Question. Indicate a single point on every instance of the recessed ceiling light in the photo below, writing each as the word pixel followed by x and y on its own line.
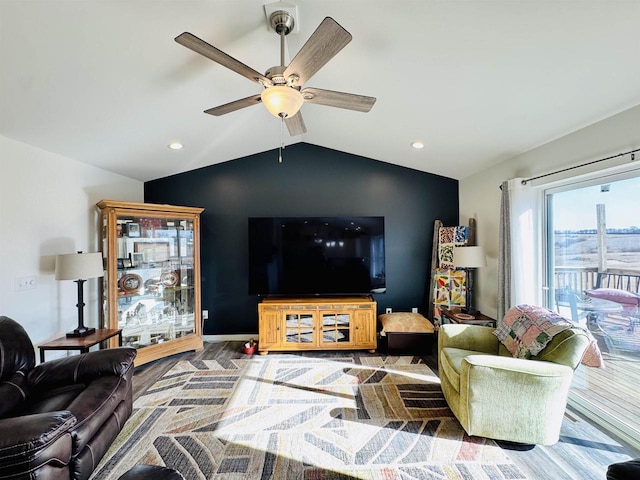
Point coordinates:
pixel 175 146
pixel 417 144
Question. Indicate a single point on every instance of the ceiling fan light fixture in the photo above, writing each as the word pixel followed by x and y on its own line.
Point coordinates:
pixel 282 101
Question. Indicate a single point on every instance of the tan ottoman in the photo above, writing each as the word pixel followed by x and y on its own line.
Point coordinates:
pixel 407 332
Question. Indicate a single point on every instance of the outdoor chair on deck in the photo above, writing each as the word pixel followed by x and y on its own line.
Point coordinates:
pixel 569 298
pixel 622 288
pixel 621 330
pixel 627 282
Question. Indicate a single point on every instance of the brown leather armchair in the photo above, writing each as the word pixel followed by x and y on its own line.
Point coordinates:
pixel 58 419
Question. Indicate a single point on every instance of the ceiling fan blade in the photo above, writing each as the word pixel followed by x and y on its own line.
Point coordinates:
pixel 328 39
pixel 295 124
pixel 203 48
pixel 331 98
pixel 233 106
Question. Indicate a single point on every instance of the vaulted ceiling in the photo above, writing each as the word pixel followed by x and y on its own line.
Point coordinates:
pixel 103 81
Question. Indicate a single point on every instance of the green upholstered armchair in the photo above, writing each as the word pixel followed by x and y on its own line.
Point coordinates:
pixel 497 396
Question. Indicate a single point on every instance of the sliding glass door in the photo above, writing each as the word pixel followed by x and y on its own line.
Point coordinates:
pixel 592 278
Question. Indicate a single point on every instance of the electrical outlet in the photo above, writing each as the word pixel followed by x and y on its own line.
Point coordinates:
pixel 205 314
pixel 388 310
pixel 25 283
pixel 414 310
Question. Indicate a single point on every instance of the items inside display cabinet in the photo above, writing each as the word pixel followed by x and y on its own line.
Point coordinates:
pixel 155 280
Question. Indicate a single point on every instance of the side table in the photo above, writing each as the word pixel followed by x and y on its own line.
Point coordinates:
pixel 83 344
pixel 454 315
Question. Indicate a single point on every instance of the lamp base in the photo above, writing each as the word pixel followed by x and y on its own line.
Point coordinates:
pixel 81 332
pixel 470 311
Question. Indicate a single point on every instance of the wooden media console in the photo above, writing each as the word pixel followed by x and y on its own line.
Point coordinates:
pixel 324 323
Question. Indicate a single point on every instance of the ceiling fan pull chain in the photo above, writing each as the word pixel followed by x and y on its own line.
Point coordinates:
pixel 281 139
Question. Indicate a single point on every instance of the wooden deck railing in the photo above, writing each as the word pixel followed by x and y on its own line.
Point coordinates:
pixel 575 279
pixel 580 279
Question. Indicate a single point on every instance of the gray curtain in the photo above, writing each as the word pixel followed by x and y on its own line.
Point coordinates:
pixel 504 254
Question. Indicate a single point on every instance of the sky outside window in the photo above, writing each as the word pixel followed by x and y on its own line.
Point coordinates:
pixel 576 209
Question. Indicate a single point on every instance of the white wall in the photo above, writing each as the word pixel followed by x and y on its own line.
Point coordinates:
pixel 480 193
pixel 47 207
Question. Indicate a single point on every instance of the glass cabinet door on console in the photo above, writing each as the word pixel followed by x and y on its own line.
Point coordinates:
pixel 151 289
pixel 336 328
pixel 298 327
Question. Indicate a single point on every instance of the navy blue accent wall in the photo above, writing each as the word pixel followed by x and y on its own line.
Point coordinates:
pixel 312 181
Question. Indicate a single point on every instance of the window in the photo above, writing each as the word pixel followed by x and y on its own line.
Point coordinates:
pixel 592 274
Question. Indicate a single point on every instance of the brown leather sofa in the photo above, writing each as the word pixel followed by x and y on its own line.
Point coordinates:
pixel 629 470
pixel 58 419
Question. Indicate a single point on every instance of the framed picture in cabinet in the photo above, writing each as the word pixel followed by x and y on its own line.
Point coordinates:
pixel 133 229
pixel 152 252
pixel 137 259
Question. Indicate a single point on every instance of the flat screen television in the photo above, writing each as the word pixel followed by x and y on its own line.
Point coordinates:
pixel 310 256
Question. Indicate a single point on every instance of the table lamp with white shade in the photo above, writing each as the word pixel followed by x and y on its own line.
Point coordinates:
pixel 469 258
pixel 79 267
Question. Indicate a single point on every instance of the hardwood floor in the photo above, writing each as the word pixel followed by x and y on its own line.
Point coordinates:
pixel 583 452
pixel 611 389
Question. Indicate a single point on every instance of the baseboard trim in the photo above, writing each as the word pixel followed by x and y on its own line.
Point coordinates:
pixel 239 337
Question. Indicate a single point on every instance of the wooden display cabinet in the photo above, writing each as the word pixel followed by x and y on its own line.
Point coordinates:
pixel 151 289
pixel 337 323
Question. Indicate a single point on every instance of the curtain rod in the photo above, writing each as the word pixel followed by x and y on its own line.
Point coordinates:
pixel 633 157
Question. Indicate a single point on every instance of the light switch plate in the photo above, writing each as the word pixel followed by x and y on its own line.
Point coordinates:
pixel 25 283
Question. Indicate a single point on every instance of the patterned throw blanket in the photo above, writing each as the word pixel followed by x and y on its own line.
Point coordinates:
pixel 526 330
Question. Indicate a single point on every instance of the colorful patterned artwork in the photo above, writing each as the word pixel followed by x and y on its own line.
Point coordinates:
pixel 450 284
pixel 450 290
pixel 449 237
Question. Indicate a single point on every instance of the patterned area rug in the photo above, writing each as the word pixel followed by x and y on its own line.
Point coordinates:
pixel 300 418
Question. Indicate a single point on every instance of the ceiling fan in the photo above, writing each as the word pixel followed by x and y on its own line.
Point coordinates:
pixel 283 94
